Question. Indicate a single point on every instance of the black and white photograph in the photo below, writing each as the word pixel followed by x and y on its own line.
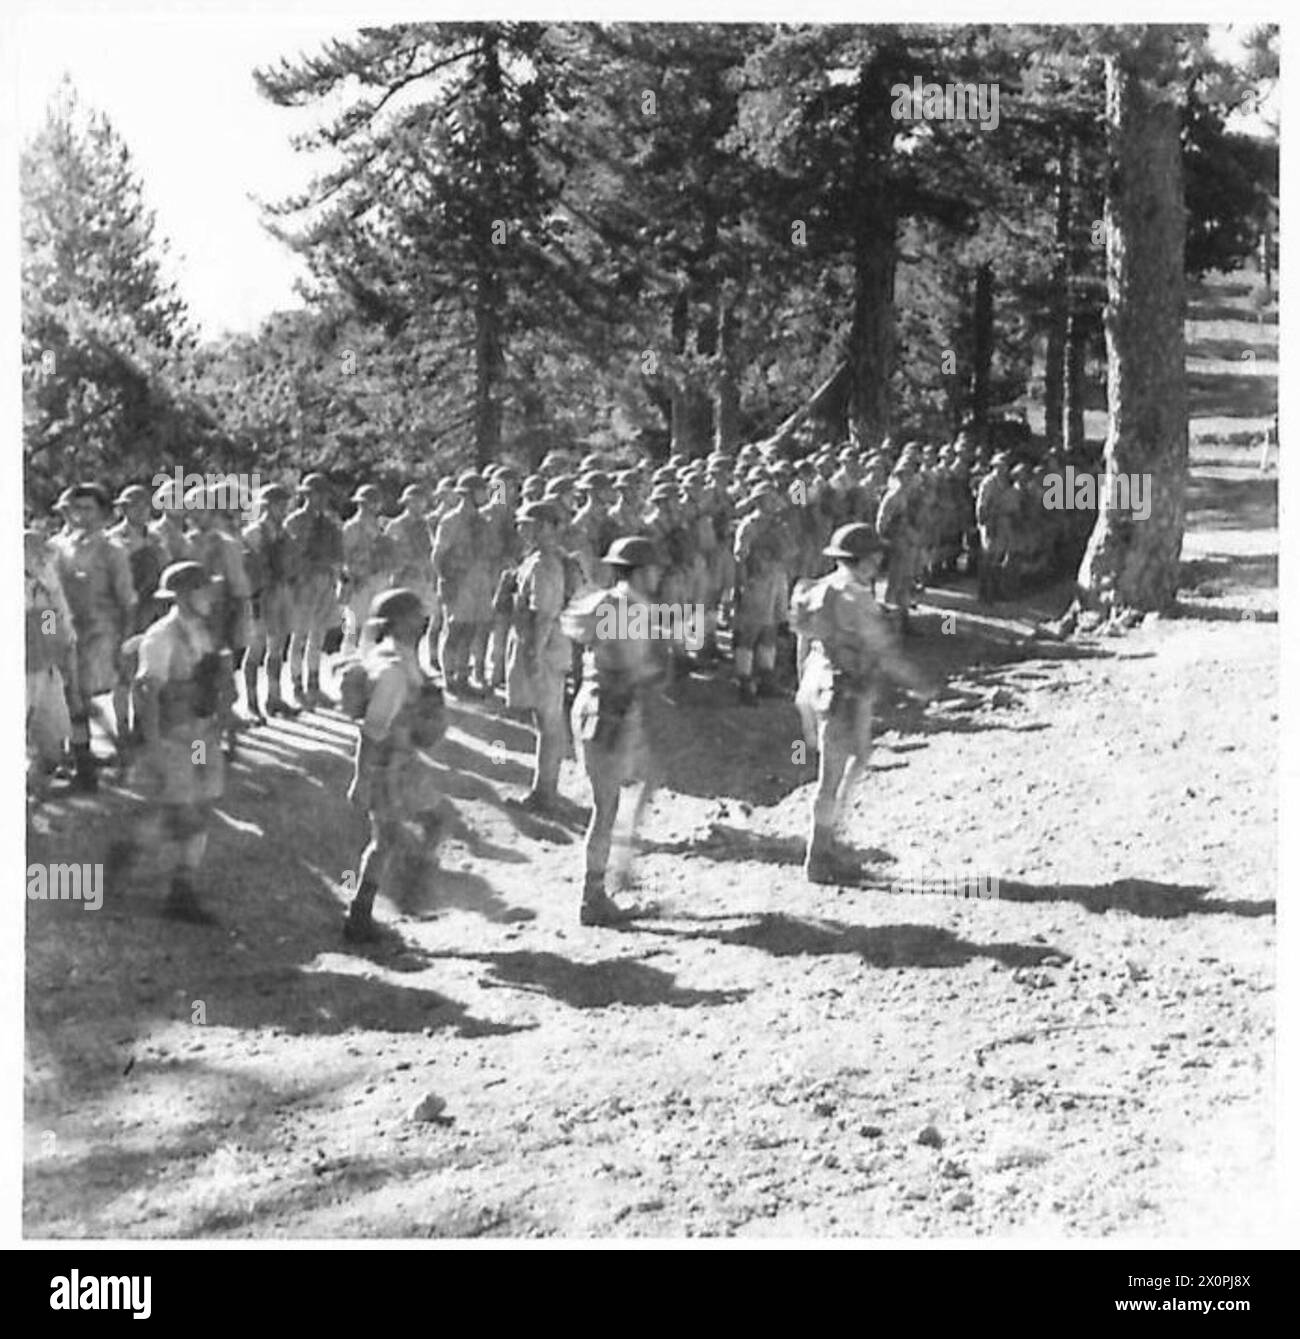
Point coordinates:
pixel 652 630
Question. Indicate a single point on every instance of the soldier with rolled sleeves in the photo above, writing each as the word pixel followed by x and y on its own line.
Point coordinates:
pixel 995 506
pixel 367 562
pixel 850 653
pixel 897 525
pixel 410 538
pixel 178 695
pixel 147 558
pixel 222 555
pixel 51 660
pixel 620 671
pixel 538 654
pixel 502 505
pixel 762 591
pixel 593 527
pixel 465 587
pixel 96 578
pixel 393 781
pixel 268 564
pixel 317 540
pixel 168 530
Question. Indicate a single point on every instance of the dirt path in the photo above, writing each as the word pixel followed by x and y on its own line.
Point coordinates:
pixel 1088 1053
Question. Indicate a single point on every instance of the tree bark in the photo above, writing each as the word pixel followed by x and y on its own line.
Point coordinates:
pixel 726 390
pixel 1058 305
pixel 489 359
pixel 875 257
pixel 1079 327
pixel 982 349
pixel 1076 380
pixel 1132 563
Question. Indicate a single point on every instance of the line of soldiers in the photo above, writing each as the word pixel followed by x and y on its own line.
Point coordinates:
pixel 498 563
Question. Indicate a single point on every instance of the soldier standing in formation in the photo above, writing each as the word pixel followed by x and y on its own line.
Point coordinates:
pixel 95 575
pixel 366 563
pixel 462 562
pixel 538 654
pixel 268 565
pixel 316 554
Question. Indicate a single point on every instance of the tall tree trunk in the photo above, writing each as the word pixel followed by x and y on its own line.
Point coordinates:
pixel 870 351
pixel 1058 304
pixel 982 349
pixel 691 416
pixel 1076 379
pixel 489 360
pixel 1079 326
pixel 1132 563
pixel 726 390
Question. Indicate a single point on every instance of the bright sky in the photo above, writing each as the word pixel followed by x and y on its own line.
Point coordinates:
pixel 180 92
pixel 178 87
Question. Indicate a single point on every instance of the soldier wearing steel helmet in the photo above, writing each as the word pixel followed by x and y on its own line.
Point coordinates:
pixel 850 651
pixel 898 523
pixel 500 512
pixel 410 537
pixel 620 671
pixel 393 781
pixel 268 563
pixel 462 565
pixel 147 558
pixel 168 530
pixel 318 559
pixel 222 556
pixel 538 654
pixel 762 590
pixel 178 694
pixel 996 505
pixel 95 575
pixel 367 562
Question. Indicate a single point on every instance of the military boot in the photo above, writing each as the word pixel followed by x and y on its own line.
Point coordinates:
pixel 183 905
pixel 598 908
pixel 85 773
pixel 360 927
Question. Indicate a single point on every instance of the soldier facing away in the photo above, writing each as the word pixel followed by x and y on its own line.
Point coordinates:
pixel 609 712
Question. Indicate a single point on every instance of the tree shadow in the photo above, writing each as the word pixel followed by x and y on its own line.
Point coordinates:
pixel 1219 503
pixel 596 985
pixel 1139 897
pixel 725 843
pixel 884 946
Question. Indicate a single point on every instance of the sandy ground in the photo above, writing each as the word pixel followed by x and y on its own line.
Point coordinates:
pixel 1089 1053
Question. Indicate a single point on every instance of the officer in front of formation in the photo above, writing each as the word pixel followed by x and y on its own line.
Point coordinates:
pixel 620 672
pixel 850 653
pixel 179 684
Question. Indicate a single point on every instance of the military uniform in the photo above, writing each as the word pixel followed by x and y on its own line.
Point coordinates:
pixel 538 655
pixel 410 539
pixel 95 576
pixel 50 659
pixel 317 559
pixel 462 564
pixel 182 769
pixel 850 650
pixel 897 524
pixel 367 562
pixel 268 564
pixel 762 593
pixel 996 505
pixel 393 780
pixel 610 715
